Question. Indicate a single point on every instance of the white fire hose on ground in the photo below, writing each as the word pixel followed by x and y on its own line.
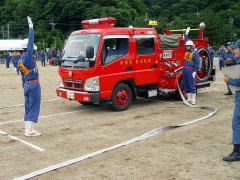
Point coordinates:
pixel 143 136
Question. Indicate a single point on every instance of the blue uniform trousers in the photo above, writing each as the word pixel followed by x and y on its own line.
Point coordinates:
pixel 189 81
pixel 7 62
pixel 236 120
pixel 221 64
pixel 43 62
pixel 32 94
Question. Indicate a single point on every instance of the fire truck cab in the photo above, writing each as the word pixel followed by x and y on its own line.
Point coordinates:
pixel 104 63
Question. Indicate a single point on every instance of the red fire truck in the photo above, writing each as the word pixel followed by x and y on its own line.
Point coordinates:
pixel 104 63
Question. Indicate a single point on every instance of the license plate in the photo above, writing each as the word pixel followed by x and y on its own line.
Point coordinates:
pixel 70 95
pixel 152 93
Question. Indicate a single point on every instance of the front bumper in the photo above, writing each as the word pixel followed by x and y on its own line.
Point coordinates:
pixel 78 95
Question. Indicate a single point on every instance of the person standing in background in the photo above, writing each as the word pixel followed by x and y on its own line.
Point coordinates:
pixel 7 57
pixel 221 51
pixel 43 61
pixel 229 60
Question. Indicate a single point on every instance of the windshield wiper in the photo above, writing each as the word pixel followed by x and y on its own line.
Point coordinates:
pixel 79 59
pixel 68 58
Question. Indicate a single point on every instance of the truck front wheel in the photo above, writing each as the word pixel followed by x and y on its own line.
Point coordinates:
pixel 122 97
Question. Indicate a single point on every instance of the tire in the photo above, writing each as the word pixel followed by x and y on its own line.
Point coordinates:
pixel 122 97
pixel 86 103
pixel 202 51
pixel 176 95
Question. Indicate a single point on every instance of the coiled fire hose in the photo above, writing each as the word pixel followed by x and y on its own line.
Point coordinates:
pixel 143 136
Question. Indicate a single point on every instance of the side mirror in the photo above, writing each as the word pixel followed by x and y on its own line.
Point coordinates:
pixel 90 52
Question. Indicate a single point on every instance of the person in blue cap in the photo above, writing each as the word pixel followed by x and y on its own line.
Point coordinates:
pixel 229 60
pixel 31 85
pixel 235 155
pixel 190 68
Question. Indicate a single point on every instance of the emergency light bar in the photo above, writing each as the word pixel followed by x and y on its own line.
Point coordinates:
pixel 101 21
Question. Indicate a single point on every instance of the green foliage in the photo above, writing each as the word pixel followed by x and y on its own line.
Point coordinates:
pixel 222 18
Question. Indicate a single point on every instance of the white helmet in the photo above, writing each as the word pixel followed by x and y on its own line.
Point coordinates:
pixel 189 43
pixel 202 25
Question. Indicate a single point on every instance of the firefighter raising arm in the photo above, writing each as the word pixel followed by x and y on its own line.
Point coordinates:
pixel 31 85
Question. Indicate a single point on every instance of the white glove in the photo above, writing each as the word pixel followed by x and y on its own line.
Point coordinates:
pixel 187 30
pixel 194 74
pixel 30 24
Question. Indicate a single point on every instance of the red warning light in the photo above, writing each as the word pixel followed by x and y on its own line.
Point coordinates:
pixel 99 22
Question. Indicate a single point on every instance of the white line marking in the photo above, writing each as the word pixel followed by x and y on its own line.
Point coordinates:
pixel 70 112
pixel 22 141
pixel 3 107
pixel 50 115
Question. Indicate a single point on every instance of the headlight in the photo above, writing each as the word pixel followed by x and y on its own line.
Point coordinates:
pixel 92 84
pixel 60 82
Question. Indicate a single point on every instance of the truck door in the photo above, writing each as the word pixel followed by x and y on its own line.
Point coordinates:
pixel 146 66
pixel 116 62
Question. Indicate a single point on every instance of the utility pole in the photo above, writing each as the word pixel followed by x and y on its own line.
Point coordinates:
pixel 8 31
pixel 198 13
pixel 231 27
pixel 146 17
pixel 55 43
pixel 2 31
pixel 52 24
pixel 43 46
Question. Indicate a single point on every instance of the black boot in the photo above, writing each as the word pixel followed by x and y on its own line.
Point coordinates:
pixel 235 155
pixel 229 91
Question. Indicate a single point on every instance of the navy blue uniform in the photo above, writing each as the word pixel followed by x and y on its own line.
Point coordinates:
pixel 236 114
pixel 225 57
pixel 30 80
pixel 212 52
pixel 42 55
pixel 221 53
pixel 191 64
pixel 7 56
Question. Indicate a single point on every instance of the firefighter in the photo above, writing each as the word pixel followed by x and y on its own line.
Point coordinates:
pixel 228 59
pixel 42 56
pixel 211 51
pixel 191 65
pixel 7 57
pixel 31 85
pixel 15 58
pixel 235 155
pixel 221 51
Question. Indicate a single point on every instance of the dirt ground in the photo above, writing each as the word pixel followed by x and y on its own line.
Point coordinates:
pixel 193 152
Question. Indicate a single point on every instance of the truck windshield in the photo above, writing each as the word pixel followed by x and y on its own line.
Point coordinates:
pixel 74 53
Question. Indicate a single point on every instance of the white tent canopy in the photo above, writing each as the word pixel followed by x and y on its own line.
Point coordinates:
pixel 13 44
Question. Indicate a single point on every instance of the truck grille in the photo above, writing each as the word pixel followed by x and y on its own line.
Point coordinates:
pixel 73 85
